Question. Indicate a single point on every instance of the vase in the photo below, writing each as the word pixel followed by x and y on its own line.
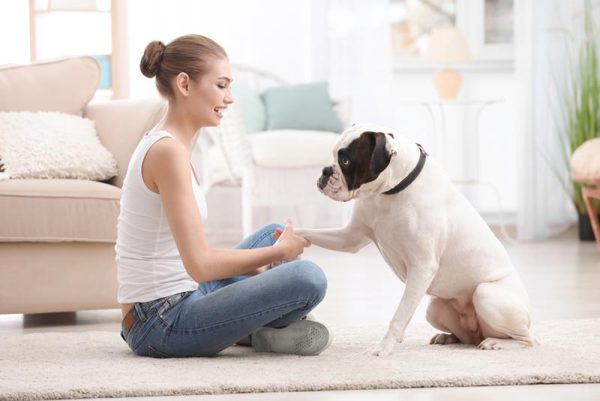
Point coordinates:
pixel 585 228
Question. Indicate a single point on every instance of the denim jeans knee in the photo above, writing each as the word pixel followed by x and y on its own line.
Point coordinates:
pixel 314 278
pixel 307 277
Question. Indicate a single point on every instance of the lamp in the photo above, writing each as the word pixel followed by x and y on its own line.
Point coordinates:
pixel 448 46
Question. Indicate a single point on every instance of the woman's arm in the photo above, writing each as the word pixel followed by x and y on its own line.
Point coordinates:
pixel 166 170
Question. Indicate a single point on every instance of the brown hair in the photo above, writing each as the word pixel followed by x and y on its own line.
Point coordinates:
pixel 190 54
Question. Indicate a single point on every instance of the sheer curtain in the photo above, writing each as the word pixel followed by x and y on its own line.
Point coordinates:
pixel 544 208
pixel 358 57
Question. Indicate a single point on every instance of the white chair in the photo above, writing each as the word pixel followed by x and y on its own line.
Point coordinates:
pixel 272 168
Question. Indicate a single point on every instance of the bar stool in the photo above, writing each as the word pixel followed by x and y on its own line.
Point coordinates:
pixel 585 169
pixel 590 193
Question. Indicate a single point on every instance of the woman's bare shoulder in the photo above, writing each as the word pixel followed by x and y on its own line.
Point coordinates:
pixel 166 159
pixel 169 151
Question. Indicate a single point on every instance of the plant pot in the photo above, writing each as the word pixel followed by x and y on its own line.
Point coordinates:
pixel 585 228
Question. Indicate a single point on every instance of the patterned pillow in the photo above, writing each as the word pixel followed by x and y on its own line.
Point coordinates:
pixel 53 145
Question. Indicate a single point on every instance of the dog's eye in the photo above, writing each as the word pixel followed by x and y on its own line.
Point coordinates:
pixel 344 161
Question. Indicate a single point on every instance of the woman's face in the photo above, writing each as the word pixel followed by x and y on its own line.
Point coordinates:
pixel 211 94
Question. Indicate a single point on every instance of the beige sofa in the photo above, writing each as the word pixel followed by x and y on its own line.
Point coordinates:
pixel 57 236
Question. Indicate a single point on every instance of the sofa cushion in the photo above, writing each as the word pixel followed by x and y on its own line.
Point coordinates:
pixel 302 107
pixel 292 148
pixel 585 162
pixel 53 145
pixel 64 85
pixel 58 210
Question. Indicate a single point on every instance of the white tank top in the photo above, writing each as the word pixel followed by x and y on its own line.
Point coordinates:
pixel 149 265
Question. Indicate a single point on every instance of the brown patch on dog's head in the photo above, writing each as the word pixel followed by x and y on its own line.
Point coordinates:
pixel 364 159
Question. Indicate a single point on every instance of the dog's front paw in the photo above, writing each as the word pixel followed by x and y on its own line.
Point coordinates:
pixel 385 347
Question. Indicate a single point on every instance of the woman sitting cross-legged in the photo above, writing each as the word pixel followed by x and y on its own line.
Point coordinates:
pixel 181 297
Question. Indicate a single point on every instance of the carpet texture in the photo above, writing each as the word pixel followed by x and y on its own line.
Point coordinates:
pixel 99 364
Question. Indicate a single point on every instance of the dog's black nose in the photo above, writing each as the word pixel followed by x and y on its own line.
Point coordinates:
pixel 327 171
pixel 322 181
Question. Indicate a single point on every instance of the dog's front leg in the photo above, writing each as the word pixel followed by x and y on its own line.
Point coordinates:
pixel 418 281
pixel 347 239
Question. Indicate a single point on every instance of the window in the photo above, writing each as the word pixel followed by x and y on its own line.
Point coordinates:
pixel 413 20
pixel 487 25
pixel 14 30
pixel 60 28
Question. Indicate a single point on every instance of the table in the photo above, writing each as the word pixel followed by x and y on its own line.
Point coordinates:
pixel 470 169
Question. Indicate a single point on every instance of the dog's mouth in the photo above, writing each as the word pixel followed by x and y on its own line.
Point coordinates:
pixel 331 186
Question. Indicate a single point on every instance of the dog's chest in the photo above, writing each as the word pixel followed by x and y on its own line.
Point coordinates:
pixel 389 241
pixel 389 228
pixel 394 259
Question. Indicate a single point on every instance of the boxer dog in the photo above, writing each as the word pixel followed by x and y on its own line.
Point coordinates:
pixel 430 236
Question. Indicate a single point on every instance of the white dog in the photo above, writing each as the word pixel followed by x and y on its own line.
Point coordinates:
pixel 431 237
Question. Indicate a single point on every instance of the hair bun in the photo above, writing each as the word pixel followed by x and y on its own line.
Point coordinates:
pixel 153 55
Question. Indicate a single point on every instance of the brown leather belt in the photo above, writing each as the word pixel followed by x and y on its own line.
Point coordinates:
pixel 129 319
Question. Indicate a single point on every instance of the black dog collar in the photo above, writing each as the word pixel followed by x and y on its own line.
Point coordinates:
pixel 411 176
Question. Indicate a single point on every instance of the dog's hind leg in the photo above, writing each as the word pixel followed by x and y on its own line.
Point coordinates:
pixel 503 313
pixel 457 327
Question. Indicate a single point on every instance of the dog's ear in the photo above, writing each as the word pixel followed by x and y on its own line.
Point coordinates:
pixel 380 158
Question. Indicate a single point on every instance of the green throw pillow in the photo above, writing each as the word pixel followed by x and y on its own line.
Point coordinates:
pixel 303 107
pixel 251 107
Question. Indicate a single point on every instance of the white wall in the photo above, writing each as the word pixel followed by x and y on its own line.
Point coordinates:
pixel 268 34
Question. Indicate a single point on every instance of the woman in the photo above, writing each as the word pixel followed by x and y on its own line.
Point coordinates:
pixel 181 297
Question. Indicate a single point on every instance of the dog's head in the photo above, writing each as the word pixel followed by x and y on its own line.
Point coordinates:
pixel 360 156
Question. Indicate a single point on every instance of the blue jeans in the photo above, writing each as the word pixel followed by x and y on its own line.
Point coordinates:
pixel 221 312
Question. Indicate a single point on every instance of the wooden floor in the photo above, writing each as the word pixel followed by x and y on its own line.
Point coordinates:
pixel 562 276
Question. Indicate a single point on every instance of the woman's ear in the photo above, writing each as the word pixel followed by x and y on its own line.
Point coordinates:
pixel 182 83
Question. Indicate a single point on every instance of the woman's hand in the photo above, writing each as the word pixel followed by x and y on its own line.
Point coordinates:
pixel 290 243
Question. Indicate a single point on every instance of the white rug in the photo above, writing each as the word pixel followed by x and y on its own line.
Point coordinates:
pixel 99 364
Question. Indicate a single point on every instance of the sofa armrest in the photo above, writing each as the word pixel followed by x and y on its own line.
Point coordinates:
pixel 121 123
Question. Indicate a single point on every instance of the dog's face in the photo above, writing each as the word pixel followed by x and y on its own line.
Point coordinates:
pixel 362 153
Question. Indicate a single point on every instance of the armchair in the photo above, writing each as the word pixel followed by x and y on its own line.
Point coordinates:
pixel 272 167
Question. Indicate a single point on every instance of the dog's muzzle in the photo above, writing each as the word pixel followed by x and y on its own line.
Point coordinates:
pixel 324 178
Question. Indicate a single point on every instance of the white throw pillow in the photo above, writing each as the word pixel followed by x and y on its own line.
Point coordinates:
pixel 53 145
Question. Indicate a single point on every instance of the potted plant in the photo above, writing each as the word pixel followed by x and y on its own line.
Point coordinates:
pixel 581 107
